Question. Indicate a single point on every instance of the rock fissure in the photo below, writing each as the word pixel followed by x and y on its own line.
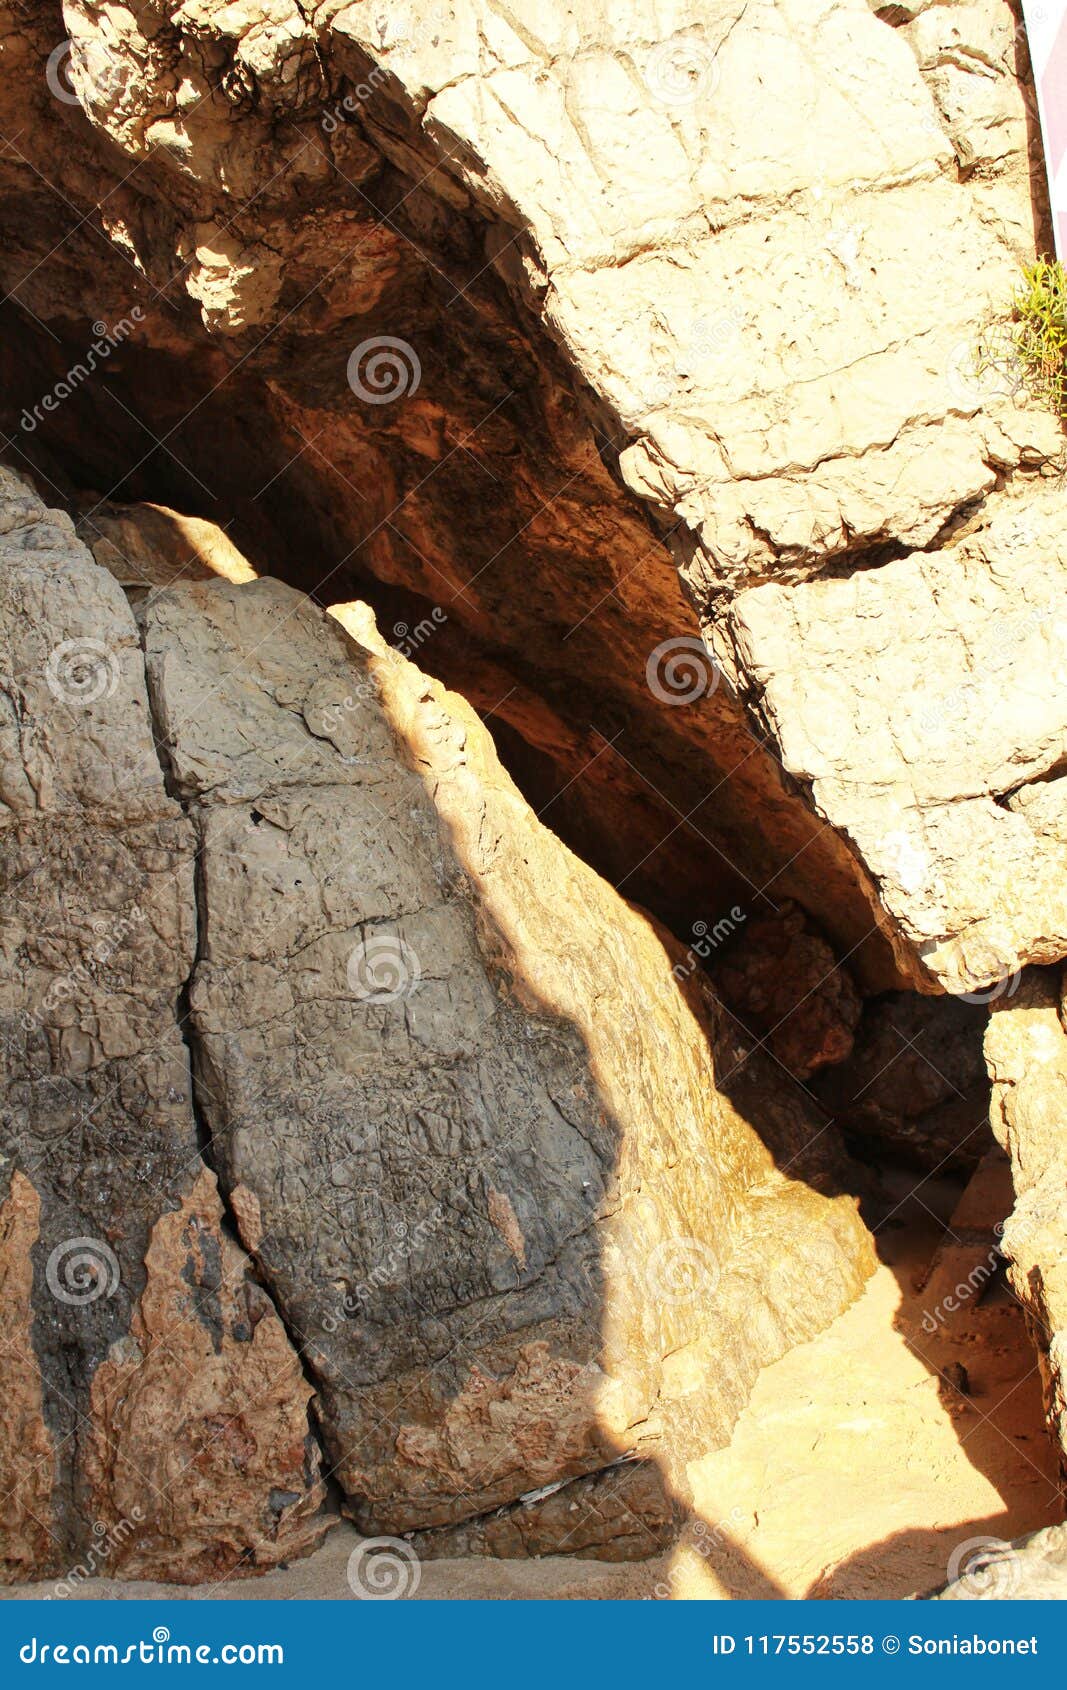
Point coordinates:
pixel 644 377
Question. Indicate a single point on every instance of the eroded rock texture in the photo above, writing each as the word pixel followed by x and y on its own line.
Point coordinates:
pixel 714 284
pixel 148 1388
pixel 1026 1049
pixel 590 333
pixel 469 1116
pixel 465 1116
pixel 914 1085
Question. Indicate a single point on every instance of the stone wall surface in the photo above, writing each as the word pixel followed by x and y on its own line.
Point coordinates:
pixel 495 1210
pixel 720 282
pixel 1026 1051
pixel 154 1413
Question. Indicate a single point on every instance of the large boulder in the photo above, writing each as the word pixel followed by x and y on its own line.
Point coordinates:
pixel 457 1099
pixel 467 1116
pixel 153 1413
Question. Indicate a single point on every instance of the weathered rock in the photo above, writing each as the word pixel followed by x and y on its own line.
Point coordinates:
pixel 468 1113
pixel 422 265
pixel 437 299
pixel 783 980
pixel 111 1245
pixel 1026 1049
pixel 232 1443
pixel 915 1084
pixel 146 546
pixel 621 1514
pixel 925 704
pixel 27 1451
pixel 1030 1569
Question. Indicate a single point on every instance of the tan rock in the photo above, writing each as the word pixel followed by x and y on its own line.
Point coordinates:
pixel 924 703
pixel 776 322
pixel 223 1472
pixel 1026 1049
pixel 507 1212
pixel 148 546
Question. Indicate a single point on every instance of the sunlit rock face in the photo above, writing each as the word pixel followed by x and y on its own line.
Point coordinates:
pixel 1026 1050
pixel 494 1205
pixel 471 1114
pixel 507 316
pixel 647 367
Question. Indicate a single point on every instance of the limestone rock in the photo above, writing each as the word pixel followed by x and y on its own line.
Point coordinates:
pixel 27 1449
pixel 1026 1050
pixel 1031 1569
pixel 146 546
pixel 612 265
pixel 925 705
pixel 471 1113
pixel 100 1152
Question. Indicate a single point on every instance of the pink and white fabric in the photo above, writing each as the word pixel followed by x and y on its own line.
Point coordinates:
pixel 1046 32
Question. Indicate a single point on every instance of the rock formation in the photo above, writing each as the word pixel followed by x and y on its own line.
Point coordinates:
pixel 148 1385
pixel 915 1083
pixel 464 1115
pixel 390 269
pixel 1026 1049
pixel 1031 1569
pixel 650 375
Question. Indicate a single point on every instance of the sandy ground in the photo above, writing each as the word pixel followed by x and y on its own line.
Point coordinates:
pixel 856 1470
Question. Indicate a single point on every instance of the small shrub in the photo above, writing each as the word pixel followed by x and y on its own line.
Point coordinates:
pixel 1040 331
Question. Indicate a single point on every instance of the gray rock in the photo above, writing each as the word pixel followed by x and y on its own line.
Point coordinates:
pixel 467 1115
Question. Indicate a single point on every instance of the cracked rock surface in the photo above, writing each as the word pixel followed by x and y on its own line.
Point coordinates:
pixel 707 282
pixel 147 1382
pixel 653 358
pixel 1026 1052
pixel 465 1119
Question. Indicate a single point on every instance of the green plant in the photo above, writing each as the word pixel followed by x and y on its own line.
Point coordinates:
pixel 1040 331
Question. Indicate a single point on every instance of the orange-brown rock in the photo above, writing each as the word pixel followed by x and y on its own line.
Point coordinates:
pixel 199 1414
pixel 27 1452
